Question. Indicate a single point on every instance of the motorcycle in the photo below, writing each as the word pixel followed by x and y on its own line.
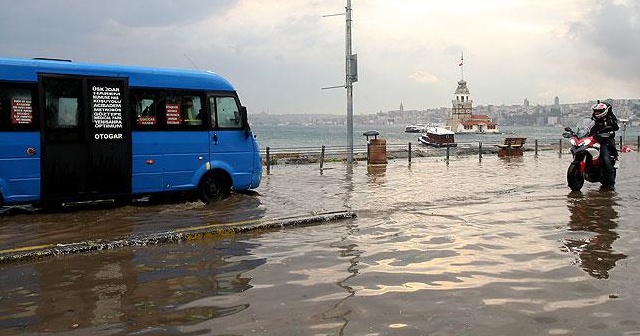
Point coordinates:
pixel 587 163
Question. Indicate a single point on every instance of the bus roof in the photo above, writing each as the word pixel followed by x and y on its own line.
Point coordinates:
pixel 27 70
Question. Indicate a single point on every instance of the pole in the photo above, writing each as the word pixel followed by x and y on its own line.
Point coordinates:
pixel 349 85
pixel 268 162
pixel 560 146
pixel 621 142
pixel 461 66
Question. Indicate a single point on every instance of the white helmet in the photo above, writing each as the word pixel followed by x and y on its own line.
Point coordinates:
pixel 599 110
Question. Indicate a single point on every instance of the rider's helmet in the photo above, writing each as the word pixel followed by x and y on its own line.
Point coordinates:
pixel 600 110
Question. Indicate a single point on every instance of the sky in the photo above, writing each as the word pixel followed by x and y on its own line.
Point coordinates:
pixel 279 54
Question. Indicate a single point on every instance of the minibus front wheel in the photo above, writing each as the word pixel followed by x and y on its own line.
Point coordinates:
pixel 214 186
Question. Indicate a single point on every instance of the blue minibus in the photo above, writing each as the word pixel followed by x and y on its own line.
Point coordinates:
pixel 75 132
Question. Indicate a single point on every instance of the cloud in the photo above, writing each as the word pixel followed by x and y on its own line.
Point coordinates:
pixel 279 54
pixel 610 34
pixel 89 14
pixel 102 31
pixel 160 13
pixel 424 77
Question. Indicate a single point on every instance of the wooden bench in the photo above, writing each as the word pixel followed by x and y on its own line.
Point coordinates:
pixel 511 147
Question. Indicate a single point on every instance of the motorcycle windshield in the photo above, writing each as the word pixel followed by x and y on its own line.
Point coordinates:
pixel 584 127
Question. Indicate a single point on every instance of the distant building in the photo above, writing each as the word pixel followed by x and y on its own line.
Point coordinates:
pixel 462 119
pixel 556 110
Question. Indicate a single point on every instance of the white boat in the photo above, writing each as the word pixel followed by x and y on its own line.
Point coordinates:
pixel 436 136
pixel 417 128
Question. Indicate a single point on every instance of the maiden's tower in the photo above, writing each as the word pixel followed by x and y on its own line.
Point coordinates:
pixel 462 119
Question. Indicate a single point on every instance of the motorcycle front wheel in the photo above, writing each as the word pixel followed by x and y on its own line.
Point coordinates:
pixel 575 179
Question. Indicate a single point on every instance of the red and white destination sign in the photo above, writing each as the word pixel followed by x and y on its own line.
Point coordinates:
pixel 21 111
pixel 173 114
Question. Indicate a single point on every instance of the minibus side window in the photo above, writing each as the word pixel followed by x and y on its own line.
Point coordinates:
pixel 16 109
pixel 62 104
pixel 145 107
pixel 184 111
pixel 227 112
pixel 167 110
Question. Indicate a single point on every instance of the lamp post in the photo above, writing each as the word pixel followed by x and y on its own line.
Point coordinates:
pixel 351 76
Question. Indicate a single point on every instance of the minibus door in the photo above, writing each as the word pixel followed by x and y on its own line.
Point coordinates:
pixel 229 141
pixel 86 146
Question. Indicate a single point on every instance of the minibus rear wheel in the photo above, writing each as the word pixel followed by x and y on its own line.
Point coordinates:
pixel 214 187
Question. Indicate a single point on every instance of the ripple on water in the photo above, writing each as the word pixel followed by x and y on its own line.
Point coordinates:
pixel 490 247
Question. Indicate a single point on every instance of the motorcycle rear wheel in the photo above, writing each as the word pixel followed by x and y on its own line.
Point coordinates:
pixel 575 179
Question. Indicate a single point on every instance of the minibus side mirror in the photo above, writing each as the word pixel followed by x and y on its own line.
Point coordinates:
pixel 245 120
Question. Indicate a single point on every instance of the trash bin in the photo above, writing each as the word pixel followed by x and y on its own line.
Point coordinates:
pixel 376 148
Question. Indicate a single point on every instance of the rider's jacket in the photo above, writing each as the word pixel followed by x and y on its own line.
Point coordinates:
pixel 607 124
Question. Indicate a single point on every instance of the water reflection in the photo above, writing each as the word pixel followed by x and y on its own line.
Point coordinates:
pixel 131 290
pixel 376 174
pixel 435 249
pixel 92 223
pixel 594 212
pixel 347 249
pixel 512 161
pixel 348 187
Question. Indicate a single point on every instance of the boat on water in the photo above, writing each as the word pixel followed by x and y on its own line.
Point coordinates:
pixel 436 136
pixel 417 128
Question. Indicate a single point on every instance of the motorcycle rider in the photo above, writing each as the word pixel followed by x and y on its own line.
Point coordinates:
pixel 603 130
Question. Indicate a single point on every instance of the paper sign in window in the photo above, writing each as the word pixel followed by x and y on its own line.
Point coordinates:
pixel 21 111
pixel 173 114
pixel 147 120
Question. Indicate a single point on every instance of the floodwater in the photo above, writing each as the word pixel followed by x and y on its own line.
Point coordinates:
pixel 470 247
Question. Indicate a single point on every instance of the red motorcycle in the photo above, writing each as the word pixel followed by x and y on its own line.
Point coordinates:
pixel 587 163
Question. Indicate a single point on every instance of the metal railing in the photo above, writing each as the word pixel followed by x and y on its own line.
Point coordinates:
pixel 322 154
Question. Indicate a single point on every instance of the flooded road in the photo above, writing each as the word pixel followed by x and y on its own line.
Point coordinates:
pixel 490 247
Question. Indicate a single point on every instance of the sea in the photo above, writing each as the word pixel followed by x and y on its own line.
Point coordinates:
pixel 288 136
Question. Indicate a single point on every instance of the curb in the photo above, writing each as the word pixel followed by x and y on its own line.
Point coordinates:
pixel 178 235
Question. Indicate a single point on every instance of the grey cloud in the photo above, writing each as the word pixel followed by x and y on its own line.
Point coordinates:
pixel 43 21
pixel 612 30
pixel 138 13
pixel 167 12
pixel 79 29
pixel 303 29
